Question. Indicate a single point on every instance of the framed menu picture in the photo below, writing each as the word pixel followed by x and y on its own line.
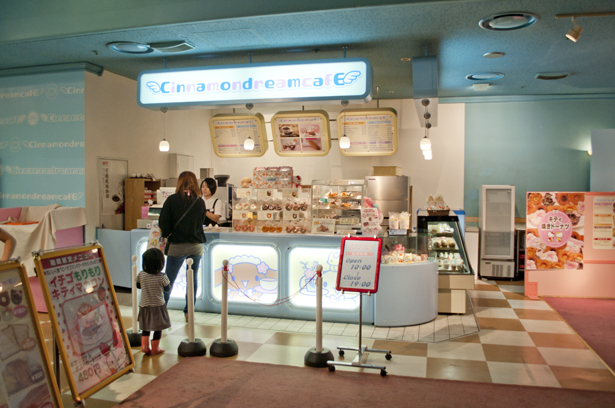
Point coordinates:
pixel 372 132
pixel 229 131
pixel 27 378
pixel 84 312
pixel 301 133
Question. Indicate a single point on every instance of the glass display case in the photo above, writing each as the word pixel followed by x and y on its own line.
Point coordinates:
pixel 407 248
pixel 445 243
pixel 271 210
pixel 336 206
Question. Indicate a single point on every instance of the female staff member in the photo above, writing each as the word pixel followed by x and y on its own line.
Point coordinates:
pixel 181 220
pixel 213 206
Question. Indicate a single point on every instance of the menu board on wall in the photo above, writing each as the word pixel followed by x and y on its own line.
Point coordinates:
pixel 301 133
pixel 372 132
pixel 85 315
pixel 604 220
pixel 554 230
pixel 27 379
pixel 229 131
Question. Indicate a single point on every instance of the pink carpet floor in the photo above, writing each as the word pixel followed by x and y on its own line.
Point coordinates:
pixel 593 320
pixel 213 382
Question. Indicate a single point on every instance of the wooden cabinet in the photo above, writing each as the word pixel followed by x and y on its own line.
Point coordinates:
pixel 137 191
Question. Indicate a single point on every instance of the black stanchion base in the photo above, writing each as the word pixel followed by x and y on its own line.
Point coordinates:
pixel 134 339
pixel 315 359
pixel 219 349
pixel 195 349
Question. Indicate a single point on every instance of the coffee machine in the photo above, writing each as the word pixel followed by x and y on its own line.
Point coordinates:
pixel 225 195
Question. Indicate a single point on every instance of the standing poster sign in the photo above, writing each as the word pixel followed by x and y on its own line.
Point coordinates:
pixel 359 265
pixel 85 315
pixel 27 379
pixel 604 222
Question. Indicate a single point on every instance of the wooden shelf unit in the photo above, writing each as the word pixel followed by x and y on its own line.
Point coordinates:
pixel 134 199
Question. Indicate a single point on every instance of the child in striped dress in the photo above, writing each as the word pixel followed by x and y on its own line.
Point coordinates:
pixel 153 314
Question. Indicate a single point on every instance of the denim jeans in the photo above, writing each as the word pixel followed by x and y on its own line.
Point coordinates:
pixel 174 263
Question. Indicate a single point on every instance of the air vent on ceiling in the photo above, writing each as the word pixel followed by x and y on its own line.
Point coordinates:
pixel 171 47
pixel 552 76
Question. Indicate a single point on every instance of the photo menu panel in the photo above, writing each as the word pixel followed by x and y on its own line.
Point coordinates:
pixel 301 133
pixel 372 132
pixel 230 131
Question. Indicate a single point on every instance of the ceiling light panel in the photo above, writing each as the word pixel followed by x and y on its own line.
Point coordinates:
pixel 508 21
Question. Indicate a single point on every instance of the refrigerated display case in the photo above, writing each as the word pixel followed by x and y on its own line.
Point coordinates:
pixel 497 231
pixel 447 247
pixel 336 206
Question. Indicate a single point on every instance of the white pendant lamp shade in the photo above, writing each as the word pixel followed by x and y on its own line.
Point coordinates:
pixel 248 144
pixel 344 142
pixel 425 143
pixel 164 146
pixel 428 157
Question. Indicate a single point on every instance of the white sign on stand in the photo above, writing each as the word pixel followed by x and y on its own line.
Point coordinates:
pixel 359 265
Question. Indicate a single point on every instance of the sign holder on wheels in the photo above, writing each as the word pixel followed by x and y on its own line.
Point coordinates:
pixel 358 271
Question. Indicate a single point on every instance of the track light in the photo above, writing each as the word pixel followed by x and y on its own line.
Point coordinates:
pixel 575 32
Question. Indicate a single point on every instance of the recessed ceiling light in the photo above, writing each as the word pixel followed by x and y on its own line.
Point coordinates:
pixel 485 76
pixel 172 47
pixel 508 21
pixel 551 76
pixel 493 55
pixel 406 59
pixel 130 47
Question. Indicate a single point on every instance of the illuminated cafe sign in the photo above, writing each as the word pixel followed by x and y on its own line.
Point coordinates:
pixel 338 79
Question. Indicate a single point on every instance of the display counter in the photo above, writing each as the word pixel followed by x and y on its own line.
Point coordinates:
pixel 407 294
pixel 266 270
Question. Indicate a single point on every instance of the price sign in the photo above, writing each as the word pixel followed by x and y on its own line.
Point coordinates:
pixel 359 265
pixel 27 379
pixel 84 312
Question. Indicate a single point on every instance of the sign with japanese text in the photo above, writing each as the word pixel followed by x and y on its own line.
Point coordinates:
pixel 85 314
pixel 604 220
pixel 359 265
pixel 230 131
pixel 554 230
pixel 372 132
pixel 27 379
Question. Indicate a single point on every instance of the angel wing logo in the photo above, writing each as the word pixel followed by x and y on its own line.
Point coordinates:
pixel 153 86
pixel 351 76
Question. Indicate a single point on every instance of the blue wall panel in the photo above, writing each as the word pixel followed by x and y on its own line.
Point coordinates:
pixel 536 146
pixel 42 140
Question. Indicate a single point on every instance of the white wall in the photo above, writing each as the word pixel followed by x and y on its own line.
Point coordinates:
pixel 117 127
pixel 443 174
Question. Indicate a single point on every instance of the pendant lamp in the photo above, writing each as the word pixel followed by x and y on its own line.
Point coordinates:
pixel 164 145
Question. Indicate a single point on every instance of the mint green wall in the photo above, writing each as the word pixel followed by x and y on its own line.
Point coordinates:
pixel 536 146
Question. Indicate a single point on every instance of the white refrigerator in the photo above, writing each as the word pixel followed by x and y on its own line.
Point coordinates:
pixel 497 231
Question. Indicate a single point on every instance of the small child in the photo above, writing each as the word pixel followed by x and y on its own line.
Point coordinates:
pixel 153 314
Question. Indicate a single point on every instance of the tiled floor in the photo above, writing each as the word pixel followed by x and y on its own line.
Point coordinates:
pixel 517 341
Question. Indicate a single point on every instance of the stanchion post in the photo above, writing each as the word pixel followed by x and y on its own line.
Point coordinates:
pixel 318 356
pixel 134 337
pixel 224 347
pixel 191 347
